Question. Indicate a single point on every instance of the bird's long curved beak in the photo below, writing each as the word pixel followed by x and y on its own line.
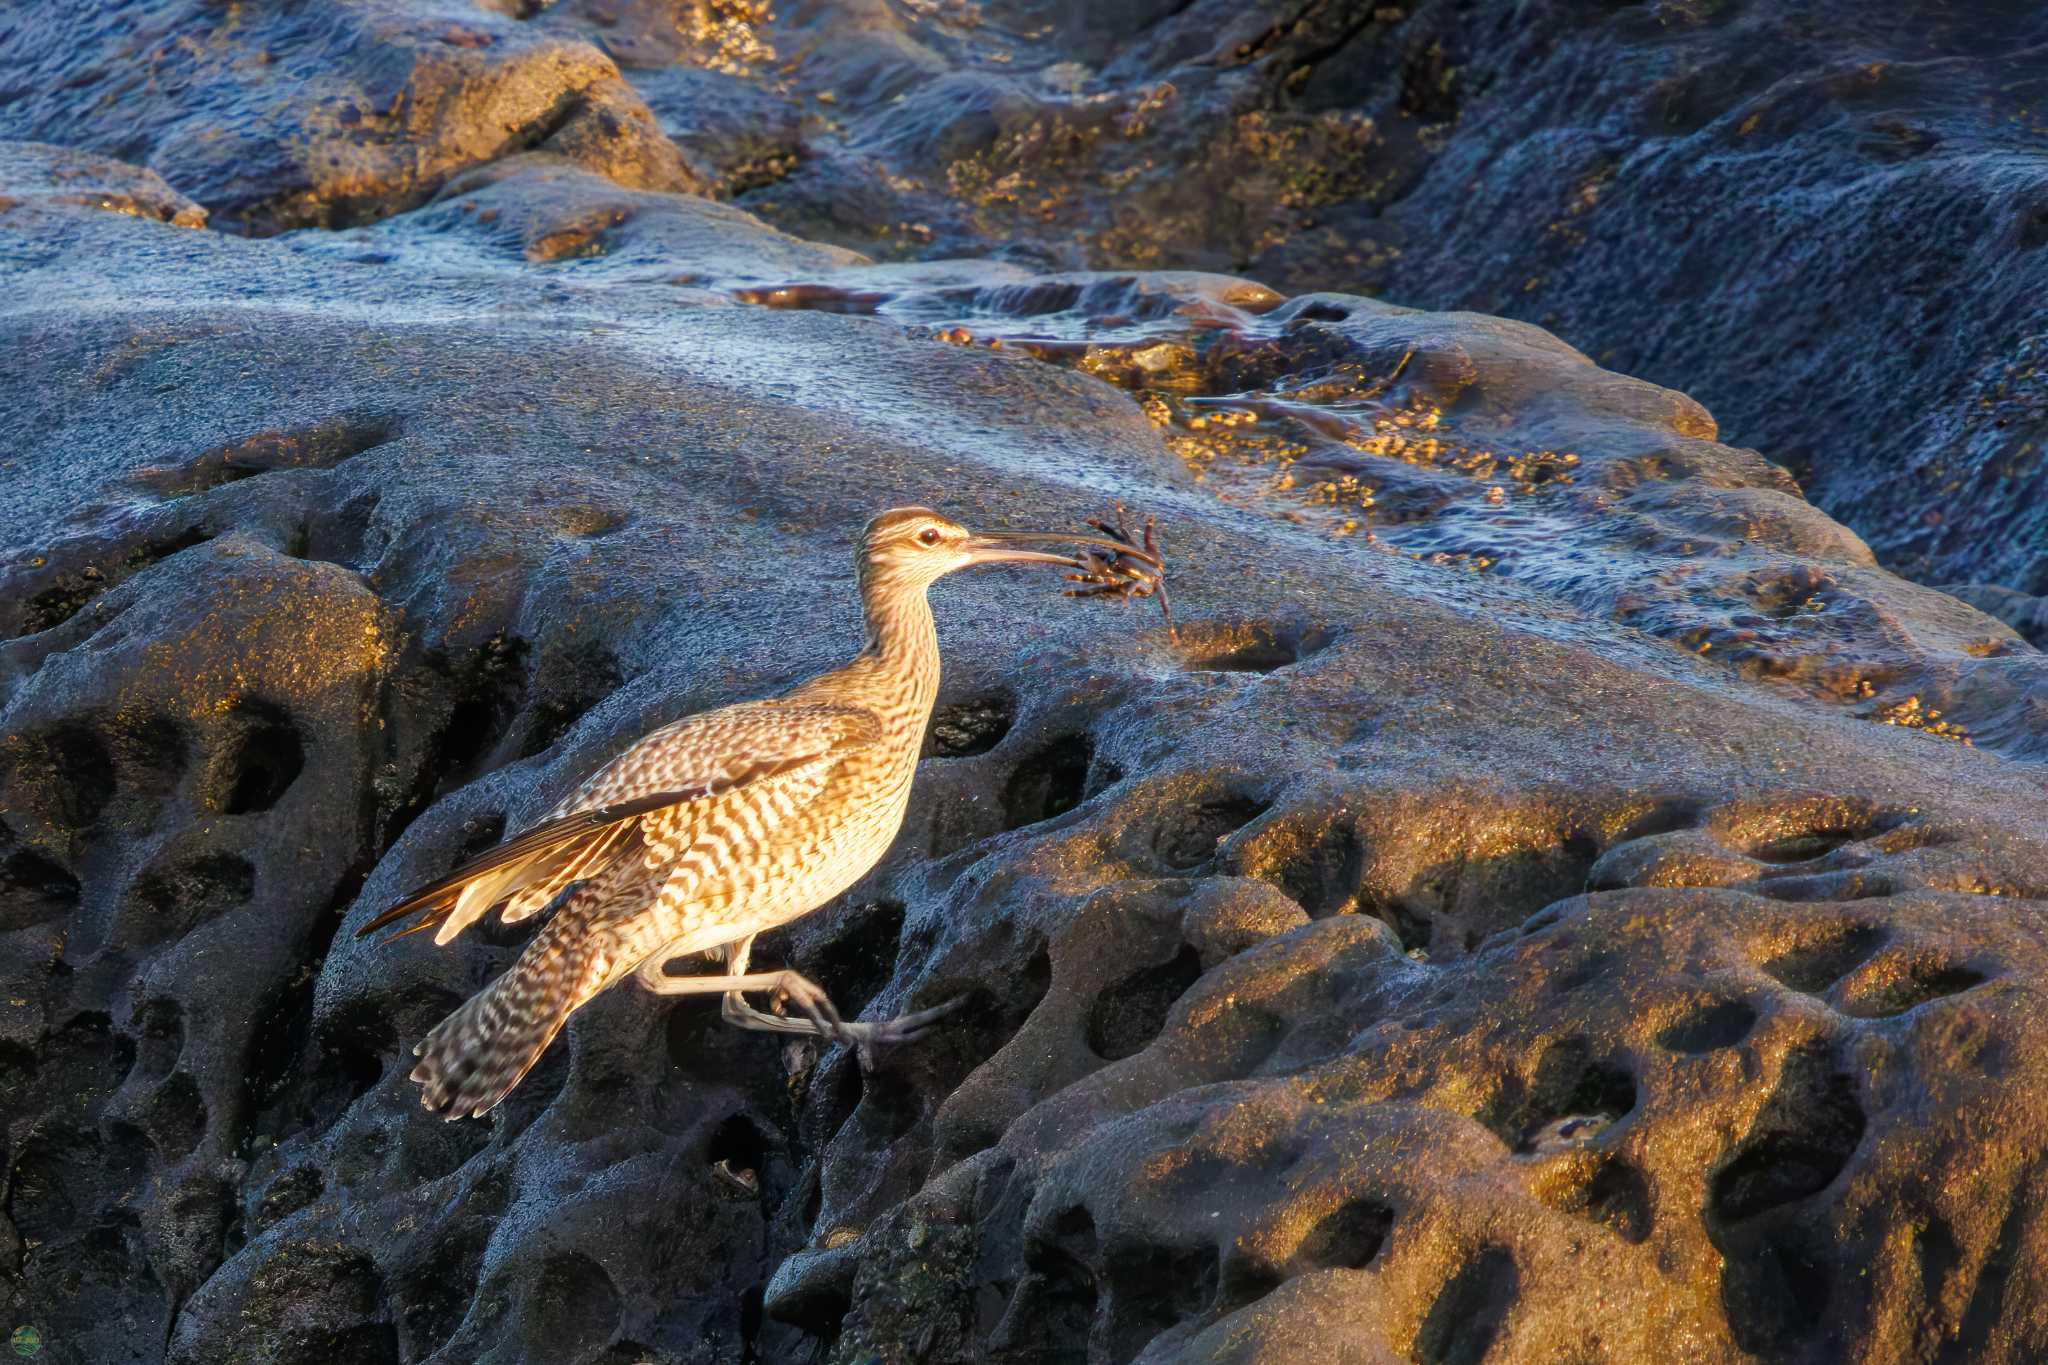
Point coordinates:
pixel 1008 547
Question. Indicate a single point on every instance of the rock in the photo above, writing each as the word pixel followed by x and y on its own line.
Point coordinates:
pixel 1538 906
pixel 1676 189
pixel 1699 195
pixel 286 120
pixel 61 175
pixel 2027 615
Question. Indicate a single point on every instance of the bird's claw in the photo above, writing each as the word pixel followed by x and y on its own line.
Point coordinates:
pixel 816 1005
pixel 904 1028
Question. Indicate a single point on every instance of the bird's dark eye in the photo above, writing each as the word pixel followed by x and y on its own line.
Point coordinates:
pixel 929 535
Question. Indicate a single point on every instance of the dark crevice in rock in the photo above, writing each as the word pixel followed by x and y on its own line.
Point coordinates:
pixel 300 1079
pixel 1614 1195
pixel 1468 1312
pixel 1709 1027
pixel 290 1192
pixel 261 756
pixel 1260 648
pixel 1151 1289
pixel 1777 1279
pixel 320 446
pixel 64 598
pixel 1987 1298
pixel 1412 924
pixel 1826 958
pixel 738 1146
pixel 854 963
pixel 34 889
pixel 65 774
pixel 1350 1237
pixel 465 703
pixel 1128 1015
pixel 572 1310
pixel 1187 839
pixel 1064 1293
pixel 961 729
pixel 431 1300
pixel 1324 878
pixel 1568 1083
pixel 565 685
pixel 176 1118
pixel 1049 783
pixel 1799 1144
pixel 172 901
pixel 1908 989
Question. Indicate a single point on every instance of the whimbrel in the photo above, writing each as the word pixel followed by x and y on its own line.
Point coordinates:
pixel 713 829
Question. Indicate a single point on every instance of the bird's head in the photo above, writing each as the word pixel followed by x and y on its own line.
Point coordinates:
pixel 915 547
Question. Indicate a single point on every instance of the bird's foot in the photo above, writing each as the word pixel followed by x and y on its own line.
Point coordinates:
pixel 809 997
pixel 904 1028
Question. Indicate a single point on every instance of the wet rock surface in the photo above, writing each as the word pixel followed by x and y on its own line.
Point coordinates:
pixel 1558 896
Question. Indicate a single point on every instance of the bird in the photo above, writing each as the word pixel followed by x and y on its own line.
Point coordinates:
pixel 715 828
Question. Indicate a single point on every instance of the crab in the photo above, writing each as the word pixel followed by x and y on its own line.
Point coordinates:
pixel 1124 574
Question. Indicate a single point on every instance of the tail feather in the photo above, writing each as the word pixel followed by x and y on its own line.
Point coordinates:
pixel 474 1057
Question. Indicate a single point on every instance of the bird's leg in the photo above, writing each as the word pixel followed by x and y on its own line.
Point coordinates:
pixel 822 1019
pixel 803 992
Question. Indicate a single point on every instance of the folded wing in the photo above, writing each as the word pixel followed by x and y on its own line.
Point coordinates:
pixel 686 764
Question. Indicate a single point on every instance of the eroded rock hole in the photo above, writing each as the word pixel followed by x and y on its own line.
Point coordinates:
pixel 1128 1015
pixel 294 1190
pixel 176 1118
pixel 1994 1284
pixel 1260 649
pixel 962 729
pixel 1324 877
pixel 34 890
pixel 1407 916
pixel 1799 1143
pixel 1051 782
pixel 1188 839
pixel 1152 1288
pixel 160 1037
pixel 1814 966
pixel 320 446
pixel 738 1146
pixel 432 1300
pixel 70 593
pixel 68 776
pixel 1802 848
pixel 1616 1197
pixel 1776 1295
pixel 299 1080
pixel 177 899
pixel 856 962
pixel 566 685
pixel 987 1021
pixel 1709 1028
pixel 1067 1295
pixel 1911 988
pixel 573 1311
pixel 487 697
pixel 263 756
pixel 1468 1313
pixel 1350 1237
pixel 1570 1098
pixel 890 1105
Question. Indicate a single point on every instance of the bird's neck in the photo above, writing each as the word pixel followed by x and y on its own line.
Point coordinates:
pixel 902 639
